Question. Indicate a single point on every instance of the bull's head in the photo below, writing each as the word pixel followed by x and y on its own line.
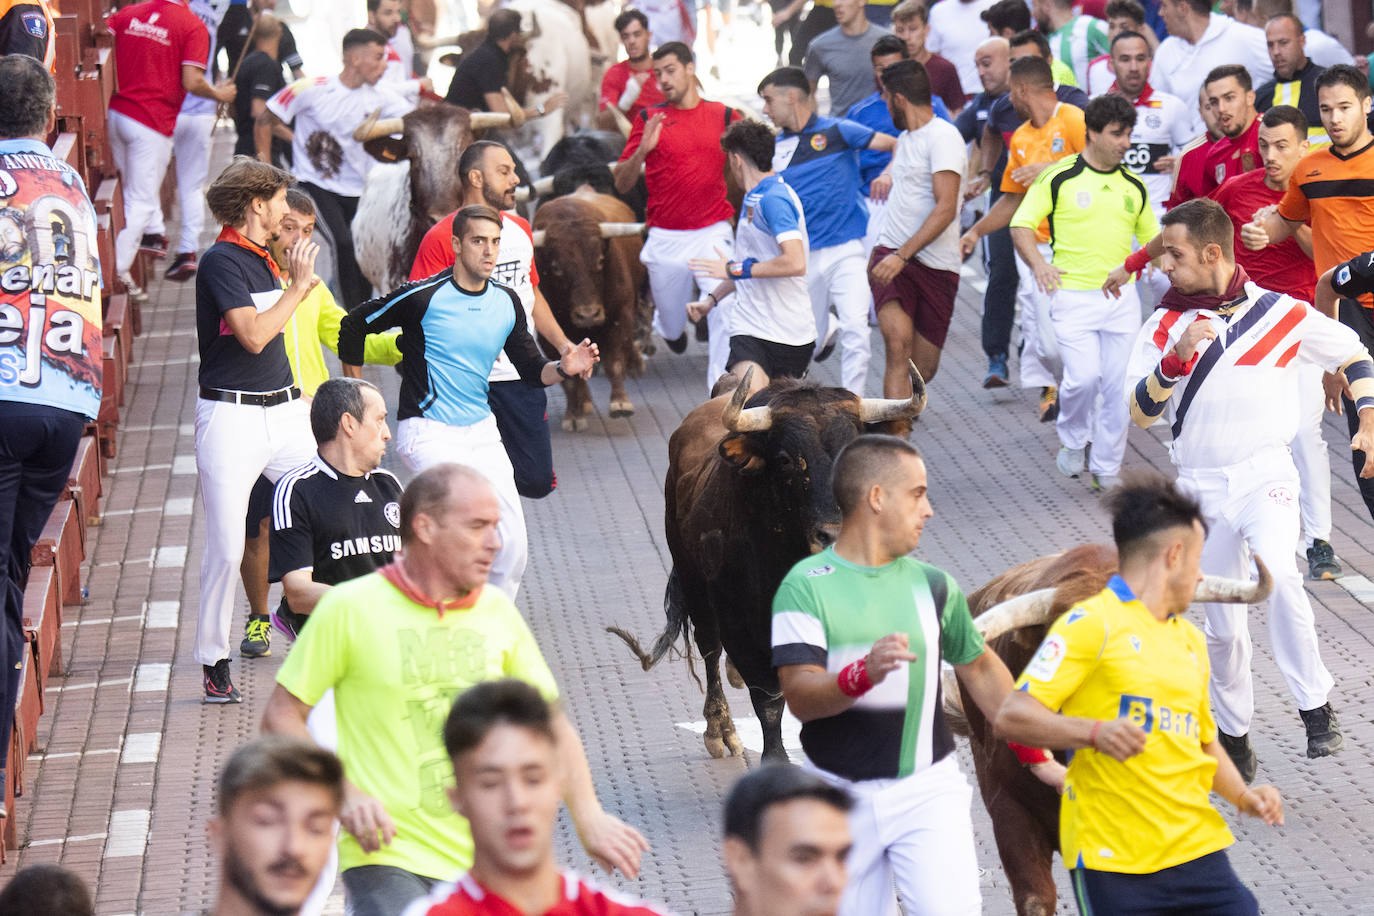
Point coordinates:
pixel 790 433
pixel 572 254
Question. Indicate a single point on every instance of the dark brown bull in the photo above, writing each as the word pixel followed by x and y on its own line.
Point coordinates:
pixel 748 495
pixel 1014 611
pixel 587 251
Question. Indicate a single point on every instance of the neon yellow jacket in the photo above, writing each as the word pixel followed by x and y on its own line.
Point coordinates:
pixel 315 323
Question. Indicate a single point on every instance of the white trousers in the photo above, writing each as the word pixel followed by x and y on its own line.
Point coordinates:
pixel 1038 346
pixel 918 831
pixel 1094 333
pixel 423 443
pixel 141 155
pixel 191 147
pixel 235 443
pixel 325 730
pixel 1252 507
pixel 877 215
pixel 673 285
pixel 839 274
pixel 1311 457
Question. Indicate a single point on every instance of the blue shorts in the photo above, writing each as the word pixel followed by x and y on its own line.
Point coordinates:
pixel 1207 886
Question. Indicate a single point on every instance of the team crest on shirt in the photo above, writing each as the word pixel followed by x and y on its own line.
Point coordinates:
pixel 1343 275
pixel 1047 658
pixel 1152 121
pixel 1085 200
pixel 35 24
pixel 818 142
pixel 825 570
pixel 1135 642
pixel 749 213
pixel 1057 145
pixel 1221 173
pixel 392 511
pixel 1247 161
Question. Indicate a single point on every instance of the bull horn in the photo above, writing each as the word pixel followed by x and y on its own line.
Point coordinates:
pixel 374 126
pixel 486 120
pixel 620 230
pixel 739 420
pixel 622 123
pixel 1028 610
pixel 1236 591
pixel 534 31
pixel 880 410
pixel 538 237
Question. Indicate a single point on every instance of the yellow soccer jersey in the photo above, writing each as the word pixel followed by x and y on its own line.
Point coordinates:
pixel 1110 657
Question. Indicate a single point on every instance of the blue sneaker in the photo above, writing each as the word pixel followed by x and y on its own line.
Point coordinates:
pixel 997 372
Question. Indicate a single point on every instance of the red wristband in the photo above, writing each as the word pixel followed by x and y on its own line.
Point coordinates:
pixel 1030 756
pixel 1137 261
pixel 1092 736
pixel 853 679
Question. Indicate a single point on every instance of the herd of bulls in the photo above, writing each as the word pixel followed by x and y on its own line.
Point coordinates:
pixel 747 493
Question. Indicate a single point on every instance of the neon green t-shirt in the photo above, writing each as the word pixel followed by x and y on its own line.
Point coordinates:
pixel 396 667
pixel 1092 217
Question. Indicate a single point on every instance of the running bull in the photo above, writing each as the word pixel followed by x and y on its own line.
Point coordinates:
pixel 748 495
pixel 1013 612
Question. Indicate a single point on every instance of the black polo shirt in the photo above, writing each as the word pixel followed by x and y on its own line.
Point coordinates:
pixel 481 70
pixel 232 36
pixel 231 277
pixel 259 77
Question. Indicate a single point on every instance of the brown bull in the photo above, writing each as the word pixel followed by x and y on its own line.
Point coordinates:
pixel 1014 611
pixel 587 251
pixel 748 495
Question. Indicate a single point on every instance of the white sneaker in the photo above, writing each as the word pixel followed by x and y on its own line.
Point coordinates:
pixel 1070 461
pixel 136 292
pixel 1104 482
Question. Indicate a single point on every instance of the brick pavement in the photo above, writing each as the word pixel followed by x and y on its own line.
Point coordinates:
pixel 121 786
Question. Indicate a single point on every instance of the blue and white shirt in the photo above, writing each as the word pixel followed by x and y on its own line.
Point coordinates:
pixel 821 163
pixel 774 308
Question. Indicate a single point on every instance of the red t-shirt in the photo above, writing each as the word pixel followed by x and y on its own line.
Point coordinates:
pixel 613 85
pixel 580 898
pixel 685 173
pixel 944 82
pixel 436 248
pixel 1190 174
pixel 1231 156
pixel 153 40
pixel 1283 268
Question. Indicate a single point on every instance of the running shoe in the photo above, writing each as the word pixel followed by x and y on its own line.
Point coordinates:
pixel 155 245
pixel 1321 561
pixel 827 346
pixel 218 688
pixel 1103 482
pixel 257 637
pixel 1069 461
pixel 1049 404
pixel 678 344
pixel 183 267
pixel 997 376
pixel 289 622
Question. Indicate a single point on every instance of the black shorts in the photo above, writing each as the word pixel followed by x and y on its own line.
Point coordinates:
pixel 776 359
pixel 1205 885
pixel 259 507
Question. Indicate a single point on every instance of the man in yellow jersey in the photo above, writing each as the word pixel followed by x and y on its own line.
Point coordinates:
pixel 313 326
pixel 1121 679
pixel 1095 206
pixel 397 646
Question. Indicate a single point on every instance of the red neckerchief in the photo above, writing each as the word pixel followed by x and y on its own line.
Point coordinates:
pixel 394 573
pixel 234 237
pixel 1144 93
pixel 1178 302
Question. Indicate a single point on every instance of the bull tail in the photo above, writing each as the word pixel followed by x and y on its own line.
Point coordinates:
pixel 675 609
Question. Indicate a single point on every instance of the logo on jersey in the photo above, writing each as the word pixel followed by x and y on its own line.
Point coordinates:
pixel 1221 173
pixel 35 24
pixel 749 213
pixel 1135 642
pixel 1343 275
pixel 1075 615
pixel 825 570
pixel 1047 658
pixel 818 142
pixel 1152 121
pixel 1085 200
pixel 1247 161
pixel 1155 717
pixel 392 511
pixel 1057 145
pixel 362 497
pixel 1281 495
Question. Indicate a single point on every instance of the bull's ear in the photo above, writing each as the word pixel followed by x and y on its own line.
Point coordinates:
pixel 387 149
pixel 740 452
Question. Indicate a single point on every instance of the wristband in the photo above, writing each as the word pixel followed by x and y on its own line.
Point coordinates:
pixel 1173 367
pixel 1030 756
pixel 741 270
pixel 853 679
pixel 558 364
pixel 714 301
pixel 1137 261
pixel 1092 736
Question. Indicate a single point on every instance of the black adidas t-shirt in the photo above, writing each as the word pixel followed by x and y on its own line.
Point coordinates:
pixel 341 527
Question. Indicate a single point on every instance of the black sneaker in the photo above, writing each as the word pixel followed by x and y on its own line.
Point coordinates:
pixel 183 267
pixel 289 622
pixel 1241 754
pixel 257 637
pixel 703 331
pixel 1323 731
pixel 1321 561
pixel 218 688
pixel 678 345
pixel 827 346
pixel 155 245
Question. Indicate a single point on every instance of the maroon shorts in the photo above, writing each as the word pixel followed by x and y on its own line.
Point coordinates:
pixel 924 293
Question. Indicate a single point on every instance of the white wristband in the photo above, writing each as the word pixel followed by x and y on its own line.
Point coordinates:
pixel 633 88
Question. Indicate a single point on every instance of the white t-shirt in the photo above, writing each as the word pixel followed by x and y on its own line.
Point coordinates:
pixel 513 270
pixel 956 31
pixel 771 308
pixel 1163 126
pixel 668 20
pixel 326 113
pixel 936 147
pixel 1326 51
pixel 400 53
pixel 1180 68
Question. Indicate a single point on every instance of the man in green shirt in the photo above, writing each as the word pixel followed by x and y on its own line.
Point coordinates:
pixel 859 631
pixel 1095 207
pixel 397 646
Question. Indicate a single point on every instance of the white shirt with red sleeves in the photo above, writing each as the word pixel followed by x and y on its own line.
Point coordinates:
pixel 153 41
pixel 466 897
